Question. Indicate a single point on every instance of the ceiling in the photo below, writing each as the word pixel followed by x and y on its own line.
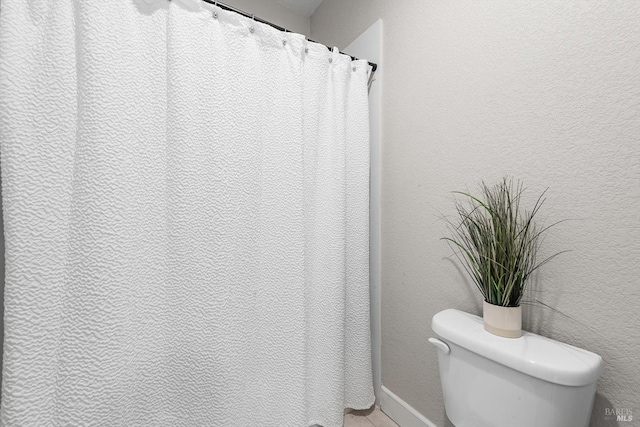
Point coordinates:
pixel 303 7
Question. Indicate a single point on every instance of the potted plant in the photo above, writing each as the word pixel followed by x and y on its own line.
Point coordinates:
pixel 497 242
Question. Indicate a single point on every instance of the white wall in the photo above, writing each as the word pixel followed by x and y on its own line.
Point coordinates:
pixel 546 91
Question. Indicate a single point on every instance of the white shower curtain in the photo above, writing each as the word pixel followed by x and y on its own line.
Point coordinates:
pixel 186 219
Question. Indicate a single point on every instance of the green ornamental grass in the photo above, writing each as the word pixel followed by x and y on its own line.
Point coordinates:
pixel 497 242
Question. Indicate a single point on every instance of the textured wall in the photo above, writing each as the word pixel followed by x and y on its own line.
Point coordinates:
pixel 546 91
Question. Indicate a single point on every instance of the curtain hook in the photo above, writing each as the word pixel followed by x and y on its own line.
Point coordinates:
pixel 215 13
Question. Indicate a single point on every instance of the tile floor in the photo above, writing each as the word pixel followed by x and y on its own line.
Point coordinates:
pixel 372 417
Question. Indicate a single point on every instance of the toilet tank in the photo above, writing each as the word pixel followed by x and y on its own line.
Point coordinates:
pixel 531 381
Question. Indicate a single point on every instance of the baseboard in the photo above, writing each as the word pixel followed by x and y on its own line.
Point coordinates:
pixel 400 411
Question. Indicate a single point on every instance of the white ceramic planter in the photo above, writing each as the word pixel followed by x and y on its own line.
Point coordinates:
pixel 502 321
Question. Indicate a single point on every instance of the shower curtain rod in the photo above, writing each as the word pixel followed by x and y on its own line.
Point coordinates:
pixel 373 65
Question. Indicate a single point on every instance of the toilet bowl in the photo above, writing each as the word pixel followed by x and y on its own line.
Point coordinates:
pixel 531 381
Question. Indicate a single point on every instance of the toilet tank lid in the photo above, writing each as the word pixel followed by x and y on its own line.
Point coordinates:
pixel 531 354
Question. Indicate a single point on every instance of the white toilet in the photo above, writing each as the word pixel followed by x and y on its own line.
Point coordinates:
pixel 531 381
